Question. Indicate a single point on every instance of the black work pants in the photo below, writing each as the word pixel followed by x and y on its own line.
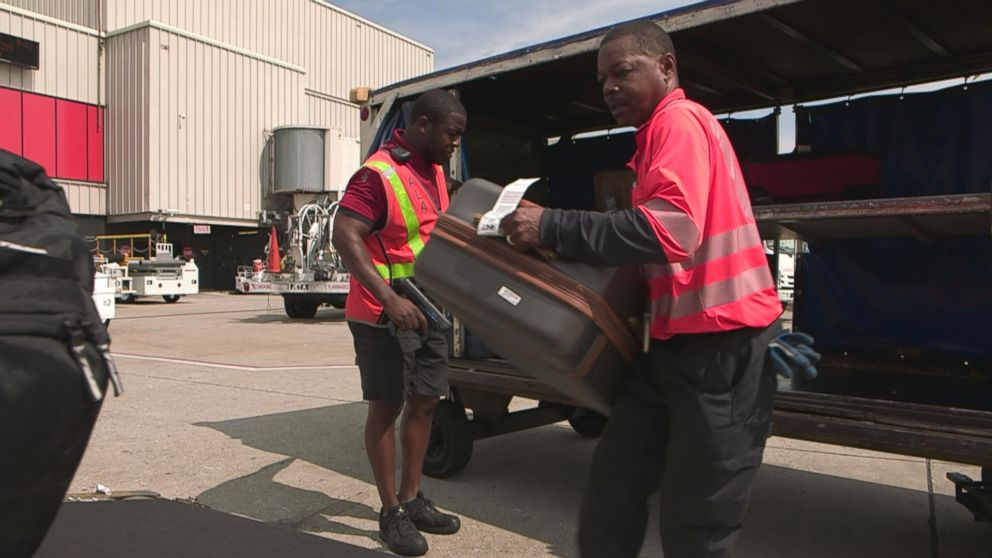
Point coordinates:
pixel 691 420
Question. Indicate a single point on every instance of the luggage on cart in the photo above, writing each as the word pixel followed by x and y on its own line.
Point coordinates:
pixel 54 353
pixel 813 177
pixel 572 326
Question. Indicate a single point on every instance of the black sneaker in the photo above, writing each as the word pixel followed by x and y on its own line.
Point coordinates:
pixel 399 534
pixel 428 519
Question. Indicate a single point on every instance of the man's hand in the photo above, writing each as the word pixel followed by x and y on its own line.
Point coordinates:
pixel 405 314
pixel 523 226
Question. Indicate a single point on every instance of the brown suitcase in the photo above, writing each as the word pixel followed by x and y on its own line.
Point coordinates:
pixel 572 326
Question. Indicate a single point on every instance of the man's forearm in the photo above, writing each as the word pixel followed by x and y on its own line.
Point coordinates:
pixel 617 238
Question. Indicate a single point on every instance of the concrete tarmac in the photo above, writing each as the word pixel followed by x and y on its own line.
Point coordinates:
pixel 232 404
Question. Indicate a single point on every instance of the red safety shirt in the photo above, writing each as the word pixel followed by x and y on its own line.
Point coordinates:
pixel 690 188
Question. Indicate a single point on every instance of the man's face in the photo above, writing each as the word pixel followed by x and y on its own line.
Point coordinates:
pixel 633 82
pixel 443 137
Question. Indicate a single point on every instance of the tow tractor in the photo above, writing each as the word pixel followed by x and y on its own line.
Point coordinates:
pixel 311 273
pixel 148 271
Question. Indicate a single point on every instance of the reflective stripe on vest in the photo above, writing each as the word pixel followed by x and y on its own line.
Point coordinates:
pixel 675 221
pixel 414 240
pixel 714 248
pixel 715 294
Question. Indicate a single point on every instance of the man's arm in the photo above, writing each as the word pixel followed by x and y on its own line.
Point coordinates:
pixel 665 228
pixel 606 239
pixel 610 239
pixel 348 235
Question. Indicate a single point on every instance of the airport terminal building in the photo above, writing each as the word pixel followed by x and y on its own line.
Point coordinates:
pixel 160 114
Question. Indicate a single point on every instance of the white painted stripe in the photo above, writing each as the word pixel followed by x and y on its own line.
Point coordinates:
pixel 23 248
pixel 235 366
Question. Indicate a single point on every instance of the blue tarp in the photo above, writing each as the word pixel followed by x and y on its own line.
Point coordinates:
pixel 572 163
pixel 886 296
pixel 882 295
pixel 928 143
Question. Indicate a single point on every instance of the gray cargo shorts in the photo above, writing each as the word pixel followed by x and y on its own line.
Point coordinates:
pixel 394 367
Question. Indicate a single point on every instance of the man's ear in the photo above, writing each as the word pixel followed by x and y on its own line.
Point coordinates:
pixel 422 124
pixel 667 65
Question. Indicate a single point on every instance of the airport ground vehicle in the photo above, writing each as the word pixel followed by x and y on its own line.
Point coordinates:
pixel 143 265
pixel 105 294
pixel 311 274
pixel 894 283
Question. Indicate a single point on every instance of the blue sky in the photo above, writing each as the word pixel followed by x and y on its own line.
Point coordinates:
pixel 467 30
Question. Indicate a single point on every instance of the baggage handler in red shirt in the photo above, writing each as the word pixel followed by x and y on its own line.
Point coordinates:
pixel 693 416
pixel 384 220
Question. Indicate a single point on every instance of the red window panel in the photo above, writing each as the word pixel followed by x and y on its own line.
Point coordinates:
pixel 10 120
pixel 39 131
pixel 70 140
pixel 94 137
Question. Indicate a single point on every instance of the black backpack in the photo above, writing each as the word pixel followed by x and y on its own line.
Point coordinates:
pixel 55 359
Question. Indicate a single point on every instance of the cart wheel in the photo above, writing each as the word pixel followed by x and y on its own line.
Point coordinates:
pixel 450 447
pixel 106 324
pixel 297 307
pixel 170 298
pixel 126 298
pixel 588 424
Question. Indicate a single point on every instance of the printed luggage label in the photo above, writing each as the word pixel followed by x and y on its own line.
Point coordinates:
pixel 506 204
pixel 509 296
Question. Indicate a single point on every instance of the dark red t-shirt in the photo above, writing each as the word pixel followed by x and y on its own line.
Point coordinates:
pixel 364 196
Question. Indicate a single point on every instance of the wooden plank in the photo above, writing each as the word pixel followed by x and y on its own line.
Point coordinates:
pixel 906 441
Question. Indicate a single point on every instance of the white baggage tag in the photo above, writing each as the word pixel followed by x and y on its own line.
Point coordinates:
pixel 506 204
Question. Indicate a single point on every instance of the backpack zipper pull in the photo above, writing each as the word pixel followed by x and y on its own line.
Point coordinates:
pixel 115 379
pixel 77 343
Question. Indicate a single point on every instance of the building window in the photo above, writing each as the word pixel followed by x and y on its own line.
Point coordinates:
pixel 65 137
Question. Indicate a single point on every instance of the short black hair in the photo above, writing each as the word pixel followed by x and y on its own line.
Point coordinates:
pixel 648 36
pixel 436 105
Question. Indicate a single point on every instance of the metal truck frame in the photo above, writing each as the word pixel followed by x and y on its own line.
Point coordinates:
pixel 733 56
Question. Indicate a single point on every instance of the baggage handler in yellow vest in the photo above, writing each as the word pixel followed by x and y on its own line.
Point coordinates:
pixel 385 218
pixel 694 414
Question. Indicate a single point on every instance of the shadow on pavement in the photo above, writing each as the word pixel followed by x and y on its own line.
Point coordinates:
pixel 276 316
pixel 263 498
pixel 530 483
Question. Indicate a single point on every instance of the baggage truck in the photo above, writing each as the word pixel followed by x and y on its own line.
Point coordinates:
pixel 888 197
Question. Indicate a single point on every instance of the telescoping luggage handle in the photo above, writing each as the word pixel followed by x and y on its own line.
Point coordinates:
pixel 548 279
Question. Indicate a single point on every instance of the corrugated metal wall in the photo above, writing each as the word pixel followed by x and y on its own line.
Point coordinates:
pixel 127 122
pixel 346 52
pixel 80 12
pixel 339 50
pixel 188 108
pixel 208 109
pixel 328 112
pixel 85 198
pixel 68 62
